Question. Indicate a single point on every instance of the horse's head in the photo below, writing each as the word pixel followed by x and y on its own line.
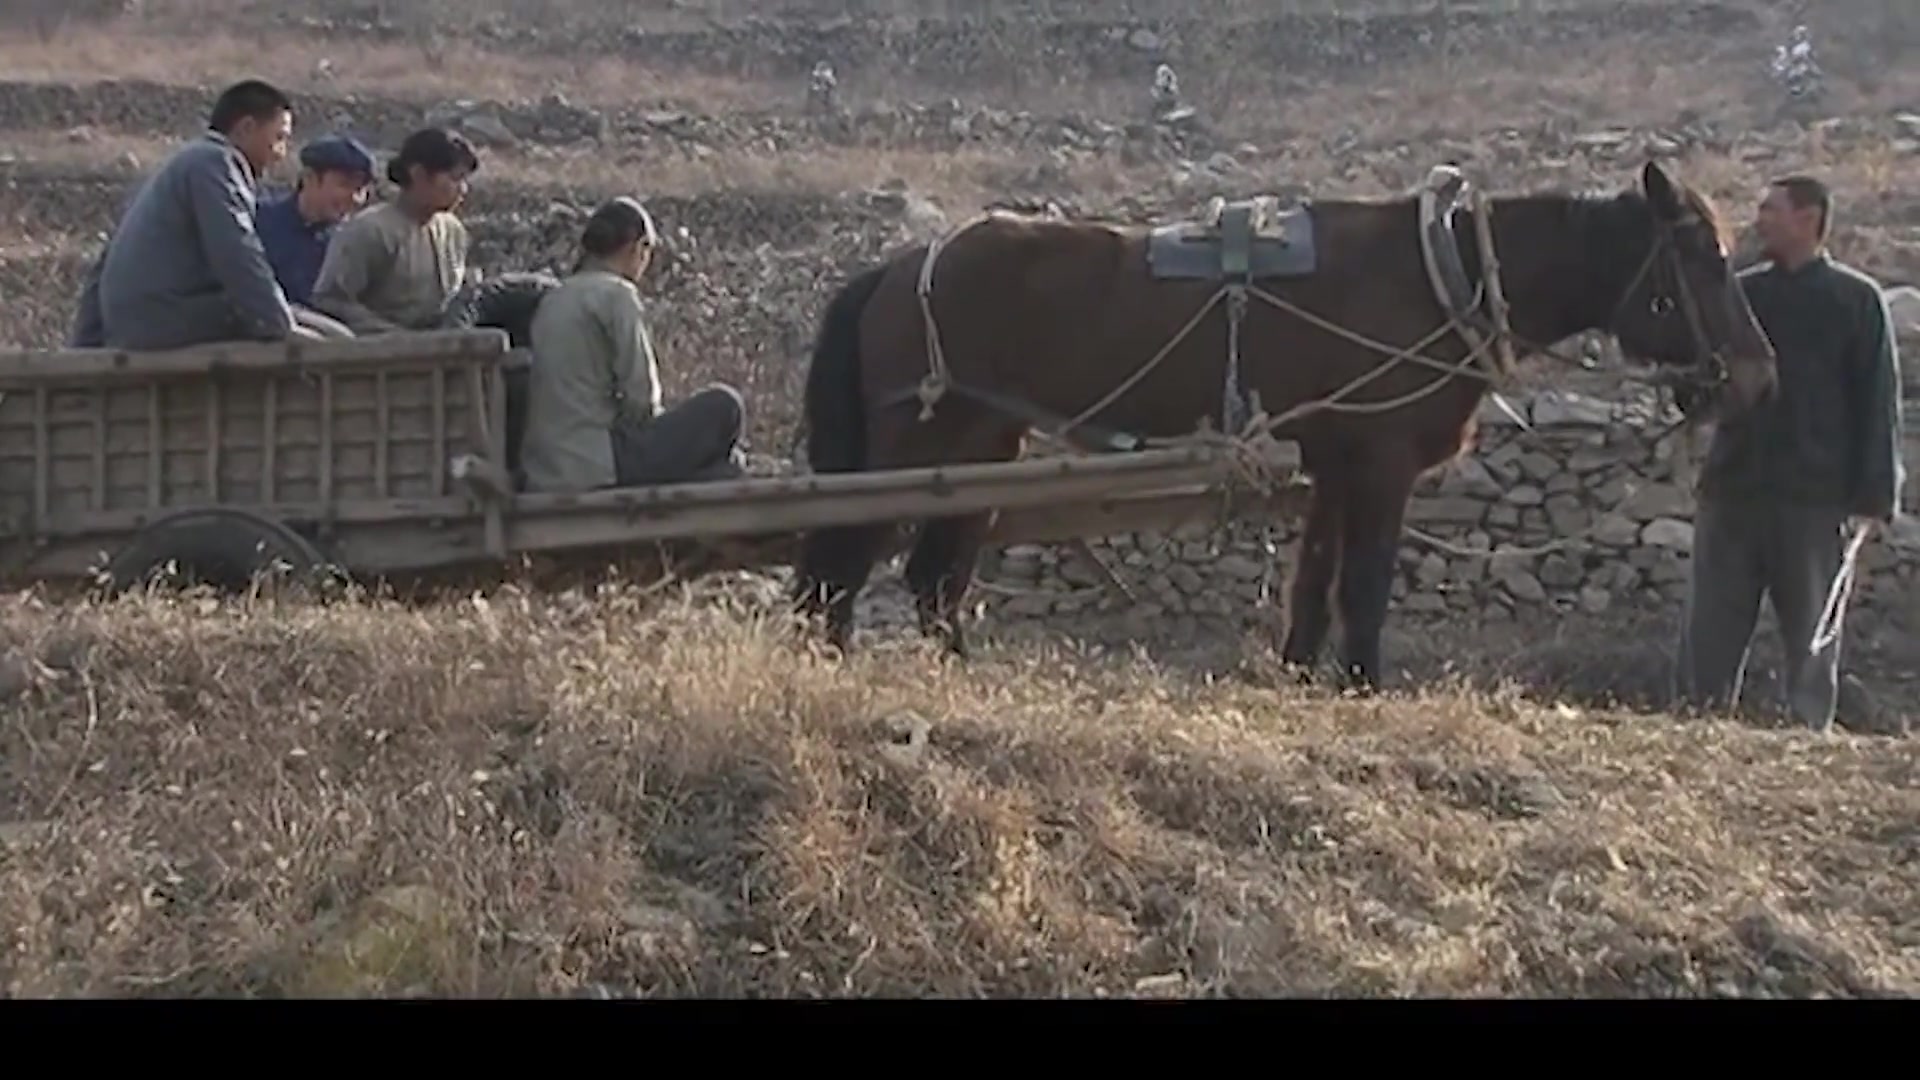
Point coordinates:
pixel 1683 308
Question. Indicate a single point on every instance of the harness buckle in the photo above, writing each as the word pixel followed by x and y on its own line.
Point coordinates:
pixel 932 388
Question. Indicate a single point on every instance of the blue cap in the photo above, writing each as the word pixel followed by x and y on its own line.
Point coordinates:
pixel 337 153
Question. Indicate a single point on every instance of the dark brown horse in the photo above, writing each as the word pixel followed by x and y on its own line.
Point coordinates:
pixel 1042 320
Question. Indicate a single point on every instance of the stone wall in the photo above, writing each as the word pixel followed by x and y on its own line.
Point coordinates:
pixel 1587 510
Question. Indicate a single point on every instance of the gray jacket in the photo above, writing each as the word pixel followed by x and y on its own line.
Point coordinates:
pixel 185 266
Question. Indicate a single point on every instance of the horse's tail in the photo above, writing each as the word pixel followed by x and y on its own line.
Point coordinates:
pixel 835 410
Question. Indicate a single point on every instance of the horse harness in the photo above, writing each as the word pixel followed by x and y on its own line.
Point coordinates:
pixel 1450 280
pixel 1478 313
pixel 939 380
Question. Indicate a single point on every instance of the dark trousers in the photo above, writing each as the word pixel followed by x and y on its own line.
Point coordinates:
pixel 697 439
pixel 1743 550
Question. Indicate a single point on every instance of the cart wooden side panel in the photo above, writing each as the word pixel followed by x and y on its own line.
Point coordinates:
pixel 95 444
pixel 386 453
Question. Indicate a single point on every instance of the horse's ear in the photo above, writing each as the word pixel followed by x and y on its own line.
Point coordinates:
pixel 1663 193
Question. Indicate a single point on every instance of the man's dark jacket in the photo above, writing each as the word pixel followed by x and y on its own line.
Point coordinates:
pixel 1831 435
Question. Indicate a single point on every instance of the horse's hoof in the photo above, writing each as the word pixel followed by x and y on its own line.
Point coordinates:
pixel 1299 672
pixel 1359 684
pixel 949 651
pixel 839 642
pixel 951 638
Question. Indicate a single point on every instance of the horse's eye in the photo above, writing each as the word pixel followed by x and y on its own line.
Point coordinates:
pixel 1660 305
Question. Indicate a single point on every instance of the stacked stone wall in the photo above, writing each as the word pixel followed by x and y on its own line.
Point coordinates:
pixel 1588 508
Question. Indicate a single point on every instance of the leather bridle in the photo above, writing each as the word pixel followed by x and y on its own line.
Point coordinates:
pixel 1669 288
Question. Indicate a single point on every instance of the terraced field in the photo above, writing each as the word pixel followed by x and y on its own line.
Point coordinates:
pixel 617 797
pixel 767 200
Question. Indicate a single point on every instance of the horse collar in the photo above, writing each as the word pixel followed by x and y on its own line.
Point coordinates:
pixel 1459 296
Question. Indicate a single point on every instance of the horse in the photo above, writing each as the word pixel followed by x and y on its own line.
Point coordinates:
pixel 956 350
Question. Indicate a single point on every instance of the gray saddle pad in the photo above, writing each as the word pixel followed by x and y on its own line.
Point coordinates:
pixel 1237 245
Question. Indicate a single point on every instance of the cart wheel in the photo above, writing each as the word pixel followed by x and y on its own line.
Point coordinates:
pixel 229 550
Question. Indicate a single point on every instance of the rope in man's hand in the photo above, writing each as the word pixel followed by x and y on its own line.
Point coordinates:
pixel 1827 630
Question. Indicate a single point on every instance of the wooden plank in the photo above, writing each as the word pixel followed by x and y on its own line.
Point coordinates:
pixel 213 442
pixel 269 441
pixel 346 512
pixel 961 484
pixel 765 504
pixel 98 495
pixel 42 463
pixel 383 425
pixel 439 417
pixel 1150 512
pixel 877 498
pixel 379 538
pixel 54 366
pixel 1147 512
pixel 496 387
pixel 326 441
pixel 481 440
pixel 156 450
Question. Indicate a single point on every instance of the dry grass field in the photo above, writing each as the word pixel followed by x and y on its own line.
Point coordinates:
pixel 618 791
pixel 595 795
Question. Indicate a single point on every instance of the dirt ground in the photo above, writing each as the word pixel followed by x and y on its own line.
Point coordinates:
pixel 611 793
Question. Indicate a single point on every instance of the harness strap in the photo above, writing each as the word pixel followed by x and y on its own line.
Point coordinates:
pixel 938 378
pixel 1490 348
pixel 1085 435
pixel 1237 229
pixel 1490 277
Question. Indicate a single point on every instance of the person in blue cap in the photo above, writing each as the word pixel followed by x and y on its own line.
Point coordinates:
pixel 336 172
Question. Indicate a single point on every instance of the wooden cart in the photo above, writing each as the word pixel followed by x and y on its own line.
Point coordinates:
pixel 389 456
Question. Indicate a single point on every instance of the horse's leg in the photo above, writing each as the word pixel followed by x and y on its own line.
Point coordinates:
pixel 939 572
pixel 945 555
pixel 1316 561
pixel 834 566
pixel 1379 488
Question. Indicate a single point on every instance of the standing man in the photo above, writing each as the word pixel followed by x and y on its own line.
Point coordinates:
pixel 335 173
pixel 1784 488
pixel 185 265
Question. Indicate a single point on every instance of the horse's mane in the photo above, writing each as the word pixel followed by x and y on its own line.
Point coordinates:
pixel 1609 201
pixel 1698 202
pixel 1612 224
